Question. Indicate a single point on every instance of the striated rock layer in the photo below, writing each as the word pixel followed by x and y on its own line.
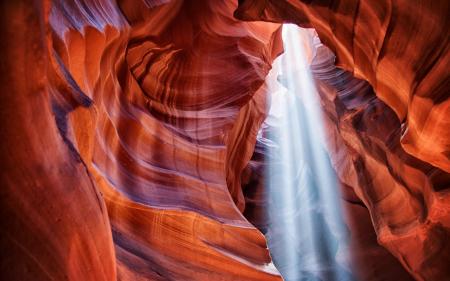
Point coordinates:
pixel 127 127
pixel 125 130
pixel 408 199
pixel 400 47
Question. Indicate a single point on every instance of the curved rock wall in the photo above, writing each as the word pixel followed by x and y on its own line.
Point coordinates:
pixel 127 127
pixel 401 47
pixel 407 198
pixel 134 121
pixel 54 223
pixel 388 196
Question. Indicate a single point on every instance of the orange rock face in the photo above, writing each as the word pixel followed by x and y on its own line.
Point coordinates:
pixel 407 198
pixel 132 123
pixel 127 130
pixel 388 195
pixel 371 141
pixel 399 46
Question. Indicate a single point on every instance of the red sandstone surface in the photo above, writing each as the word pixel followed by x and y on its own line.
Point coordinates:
pixel 399 46
pixel 128 130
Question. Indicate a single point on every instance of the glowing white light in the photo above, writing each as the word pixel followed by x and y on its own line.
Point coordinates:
pixel 307 233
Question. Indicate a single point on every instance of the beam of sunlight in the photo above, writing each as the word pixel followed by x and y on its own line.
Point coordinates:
pixel 307 236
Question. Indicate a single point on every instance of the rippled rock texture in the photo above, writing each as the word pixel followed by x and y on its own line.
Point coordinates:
pixel 382 146
pixel 401 47
pixel 125 128
pixel 408 199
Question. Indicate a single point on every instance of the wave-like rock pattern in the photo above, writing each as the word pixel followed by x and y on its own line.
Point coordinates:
pixel 127 126
pixel 401 47
pixel 408 199
pixel 388 196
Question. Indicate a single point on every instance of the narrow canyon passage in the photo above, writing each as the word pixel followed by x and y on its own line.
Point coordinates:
pixel 228 140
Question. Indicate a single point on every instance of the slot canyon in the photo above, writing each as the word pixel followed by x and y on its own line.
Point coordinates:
pixel 225 140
